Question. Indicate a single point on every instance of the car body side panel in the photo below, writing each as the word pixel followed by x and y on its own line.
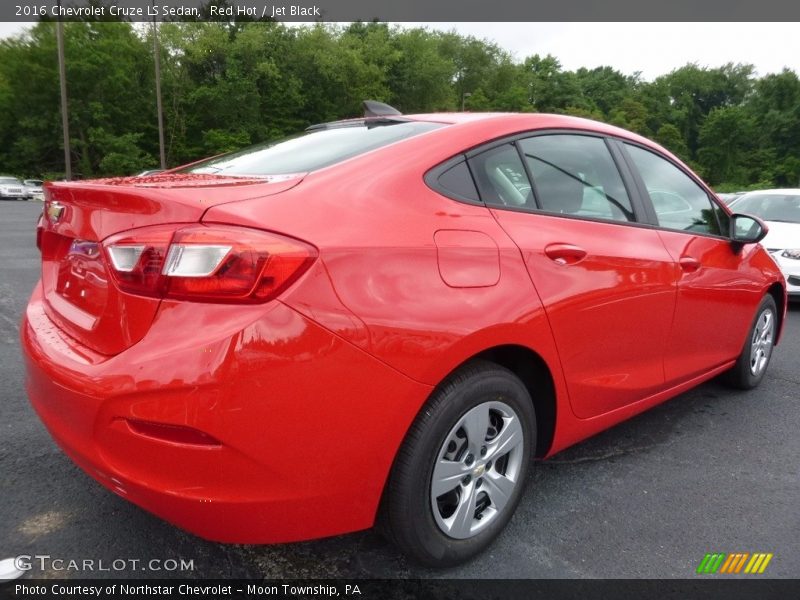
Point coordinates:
pixel 610 311
pixel 571 430
pixel 388 277
pixel 715 306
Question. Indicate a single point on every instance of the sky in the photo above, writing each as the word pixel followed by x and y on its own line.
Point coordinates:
pixel 651 48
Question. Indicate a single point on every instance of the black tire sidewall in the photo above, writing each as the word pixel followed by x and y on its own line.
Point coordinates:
pixel 416 529
pixel 743 374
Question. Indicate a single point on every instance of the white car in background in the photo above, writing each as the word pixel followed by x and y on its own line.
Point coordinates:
pixel 34 189
pixel 781 211
pixel 12 188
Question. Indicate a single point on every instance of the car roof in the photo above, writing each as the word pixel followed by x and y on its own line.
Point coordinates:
pixel 523 121
pixel 478 128
pixel 776 192
pixel 533 121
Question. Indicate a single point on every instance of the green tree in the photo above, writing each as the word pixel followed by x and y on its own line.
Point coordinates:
pixel 726 141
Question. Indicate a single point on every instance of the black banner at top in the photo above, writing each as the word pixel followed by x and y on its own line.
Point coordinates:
pixel 402 10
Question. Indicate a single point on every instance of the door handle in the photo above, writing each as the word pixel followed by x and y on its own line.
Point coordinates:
pixel 565 254
pixel 689 263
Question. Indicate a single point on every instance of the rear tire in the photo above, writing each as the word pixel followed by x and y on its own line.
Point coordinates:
pixel 462 468
pixel 752 363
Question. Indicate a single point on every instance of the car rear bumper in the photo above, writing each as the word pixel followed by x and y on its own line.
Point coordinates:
pixel 292 431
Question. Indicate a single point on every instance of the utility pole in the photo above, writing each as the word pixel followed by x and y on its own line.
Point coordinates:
pixel 157 61
pixel 62 76
pixel 464 97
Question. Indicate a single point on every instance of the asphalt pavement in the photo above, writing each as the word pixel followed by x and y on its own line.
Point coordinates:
pixel 713 470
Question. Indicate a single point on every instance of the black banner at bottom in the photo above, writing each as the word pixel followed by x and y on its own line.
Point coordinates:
pixel 408 589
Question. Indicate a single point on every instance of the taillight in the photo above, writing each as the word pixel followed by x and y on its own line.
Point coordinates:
pixel 206 263
pixel 39 230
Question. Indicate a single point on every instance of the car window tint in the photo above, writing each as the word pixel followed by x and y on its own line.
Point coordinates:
pixel 458 181
pixel 575 174
pixel 311 150
pixel 501 178
pixel 678 201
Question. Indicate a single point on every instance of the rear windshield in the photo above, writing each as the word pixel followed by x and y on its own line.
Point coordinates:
pixel 770 207
pixel 311 150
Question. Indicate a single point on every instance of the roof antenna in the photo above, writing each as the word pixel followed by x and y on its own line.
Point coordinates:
pixel 373 108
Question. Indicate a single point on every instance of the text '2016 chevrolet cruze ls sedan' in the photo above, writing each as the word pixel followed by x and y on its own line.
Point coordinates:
pixel 382 320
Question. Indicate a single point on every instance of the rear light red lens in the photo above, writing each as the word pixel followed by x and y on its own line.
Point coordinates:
pixel 206 263
pixel 39 230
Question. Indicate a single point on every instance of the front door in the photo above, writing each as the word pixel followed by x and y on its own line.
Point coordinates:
pixel 717 293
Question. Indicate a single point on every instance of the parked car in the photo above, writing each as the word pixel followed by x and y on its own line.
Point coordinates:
pixel 780 209
pixel 730 197
pixel 383 319
pixel 34 189
pixel 12 188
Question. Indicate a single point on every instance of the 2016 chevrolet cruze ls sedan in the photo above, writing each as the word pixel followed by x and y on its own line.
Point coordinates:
pixel 382 320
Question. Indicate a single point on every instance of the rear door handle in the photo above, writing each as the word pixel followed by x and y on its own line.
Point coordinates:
pixel 565 254
pixel 689 263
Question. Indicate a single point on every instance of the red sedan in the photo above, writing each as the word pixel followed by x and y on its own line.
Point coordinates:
pixel 382 320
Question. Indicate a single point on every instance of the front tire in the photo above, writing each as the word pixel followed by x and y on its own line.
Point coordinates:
pixel 752 363
pixel 462 469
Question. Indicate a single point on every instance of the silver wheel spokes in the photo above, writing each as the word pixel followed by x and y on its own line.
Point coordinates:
pixel 761 344
pixel 477 469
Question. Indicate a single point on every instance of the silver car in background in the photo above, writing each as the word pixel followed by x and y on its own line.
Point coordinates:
pixel 33 187
pixel 12 188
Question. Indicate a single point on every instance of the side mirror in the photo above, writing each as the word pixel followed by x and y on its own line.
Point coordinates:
pixel 747 229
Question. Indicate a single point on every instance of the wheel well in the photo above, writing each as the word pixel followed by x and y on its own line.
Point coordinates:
pixel 777 292
pixel 535 375
pixel 533 371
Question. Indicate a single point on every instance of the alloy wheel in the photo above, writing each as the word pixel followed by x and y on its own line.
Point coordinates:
pixel 477 469
pixel 761 343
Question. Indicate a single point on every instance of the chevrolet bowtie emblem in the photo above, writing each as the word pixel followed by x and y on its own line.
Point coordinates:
pixel 54 212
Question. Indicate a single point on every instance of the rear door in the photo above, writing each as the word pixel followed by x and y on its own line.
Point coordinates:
pixel 607 283
pixel 717 293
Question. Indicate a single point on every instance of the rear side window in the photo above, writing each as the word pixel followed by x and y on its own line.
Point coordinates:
pixel 311 150
pixel 501 178
pixel 576 175
pixel 678 201
pixel 457 182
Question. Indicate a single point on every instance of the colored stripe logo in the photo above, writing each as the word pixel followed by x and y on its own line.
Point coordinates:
pixel 735 563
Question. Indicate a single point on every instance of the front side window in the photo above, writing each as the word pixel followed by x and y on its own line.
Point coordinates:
pixel 576 175
pixel 678 201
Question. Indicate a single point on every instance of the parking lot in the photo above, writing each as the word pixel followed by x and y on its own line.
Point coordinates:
pixel 712 470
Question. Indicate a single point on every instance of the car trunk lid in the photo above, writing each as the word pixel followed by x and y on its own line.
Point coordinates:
pixel 80 296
